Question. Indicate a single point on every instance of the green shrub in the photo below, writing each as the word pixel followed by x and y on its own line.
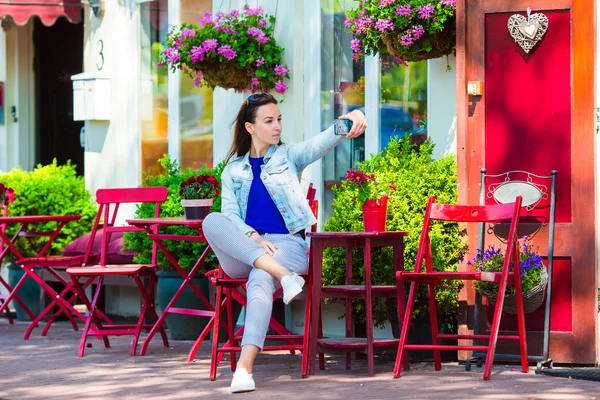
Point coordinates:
pixel 49 190
pixel 417 176
pixel 186 252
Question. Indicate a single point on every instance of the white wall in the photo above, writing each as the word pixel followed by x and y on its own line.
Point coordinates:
pixel 441 105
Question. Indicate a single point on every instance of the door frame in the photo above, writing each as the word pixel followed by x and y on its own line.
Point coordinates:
pixel 579 345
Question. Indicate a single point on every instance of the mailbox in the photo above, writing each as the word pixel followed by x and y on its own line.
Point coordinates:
pixel 91 97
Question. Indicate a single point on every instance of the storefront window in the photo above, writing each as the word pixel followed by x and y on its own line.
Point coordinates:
pixel 342 88
pixel 153 98
pixel 195 105
pixel 403 109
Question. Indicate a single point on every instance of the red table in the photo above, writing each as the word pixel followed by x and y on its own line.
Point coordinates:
pixel 8 244
pixel 151 225
pixel 351 240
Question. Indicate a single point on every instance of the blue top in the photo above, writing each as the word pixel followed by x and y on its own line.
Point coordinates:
pixel 262 214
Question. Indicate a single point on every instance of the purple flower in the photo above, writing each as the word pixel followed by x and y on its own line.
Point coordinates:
pixel 281 70
pixel 210 45
pixel 227 52
pixel 249 11
pixel 426 11
pixel 260 61
pixel 361 25
pixel 280 87
pixel 220 16
pixel 159 65
pixel 355 45
pixel 449 3
pixel 384 25
pixel 187 33
pixel 234 13
pixel 178 43
pixel 403 11
pixel 197 54
pixel 383 3
pixel 406 40
pixel 171 55
pixel 262 23
pixel 197 78
pixel 348 22
pixel 206 19
pixel 255 81
pixel 258 34
pixel 418 31
pixel 225 29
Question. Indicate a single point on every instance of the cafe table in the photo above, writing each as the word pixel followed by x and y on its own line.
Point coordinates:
pixel 349 241
pixel 152 226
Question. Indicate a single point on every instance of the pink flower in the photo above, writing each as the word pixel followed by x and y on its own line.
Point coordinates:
pixel 249 11
pixel 187 33
pixel 449 3
pixel 234 13
pixel 280 87
pixel 206 19
pixel 406 40
pixel 418 31
pixel 255 81
pixel 383 3
pixel 227 52
pixel 348 22
pixel 197 54
pixel 262 23
pixel 159 65
pixel 403 11
pixel 384 25
pixel 355 45
pixel 210 45
pixel 426 11
pixel 281 70
pixel 260 61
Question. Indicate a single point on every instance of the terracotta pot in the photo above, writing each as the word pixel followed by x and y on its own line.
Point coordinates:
pixel 197 209
pixel 374 214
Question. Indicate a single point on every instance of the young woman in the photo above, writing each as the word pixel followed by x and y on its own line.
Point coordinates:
pixel 259 233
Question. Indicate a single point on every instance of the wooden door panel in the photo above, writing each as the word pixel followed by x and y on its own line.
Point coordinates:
pixel 536 114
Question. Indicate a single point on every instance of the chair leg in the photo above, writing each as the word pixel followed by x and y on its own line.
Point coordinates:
pixel 437 359
pixel 230 328
pixel 215 337
pixel 91 314
pixel 401 304
pixel 521 321
pixel 405 327
pixel 321 355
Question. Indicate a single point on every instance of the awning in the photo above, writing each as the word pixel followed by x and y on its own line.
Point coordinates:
pixel 47 10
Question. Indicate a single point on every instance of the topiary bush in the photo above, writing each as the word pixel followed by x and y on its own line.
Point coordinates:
pixel 186 252
pixel 49 190
pixel 416 175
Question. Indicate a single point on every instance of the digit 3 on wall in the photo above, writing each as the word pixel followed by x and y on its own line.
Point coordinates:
pixel 527 32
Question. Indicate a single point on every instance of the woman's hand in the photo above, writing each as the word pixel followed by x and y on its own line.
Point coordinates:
pixel 359 123
pixel 264 243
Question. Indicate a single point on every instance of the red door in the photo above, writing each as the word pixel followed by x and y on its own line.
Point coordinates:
pixel 536 114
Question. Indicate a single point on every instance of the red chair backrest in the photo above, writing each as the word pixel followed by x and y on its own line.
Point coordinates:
pixel 109 201
pixel 313 204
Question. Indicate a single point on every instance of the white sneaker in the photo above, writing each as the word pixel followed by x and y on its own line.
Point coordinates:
pixel 292 287
pixel 242 381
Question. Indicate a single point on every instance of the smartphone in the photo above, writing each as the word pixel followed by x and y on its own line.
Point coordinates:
pixel 342 126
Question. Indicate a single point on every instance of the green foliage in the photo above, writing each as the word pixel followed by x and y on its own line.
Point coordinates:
pixel 49 190
pixel 234 51
pixel 416 176
pixel 402 30
pixel 186 252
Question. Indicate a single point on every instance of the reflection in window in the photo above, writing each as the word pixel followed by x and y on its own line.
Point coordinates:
pixel 153 97
pixel 195 105
pixel 342 87
pixel 403 109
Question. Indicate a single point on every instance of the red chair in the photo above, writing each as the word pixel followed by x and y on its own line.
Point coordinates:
pixel 3 251
pixel 228 289
pixel 109 201
pixel 501 213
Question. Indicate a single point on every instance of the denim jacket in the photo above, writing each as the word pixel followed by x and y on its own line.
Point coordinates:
pixel 281 173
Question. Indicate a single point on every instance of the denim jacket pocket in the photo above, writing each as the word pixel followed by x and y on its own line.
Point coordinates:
pixel 281 174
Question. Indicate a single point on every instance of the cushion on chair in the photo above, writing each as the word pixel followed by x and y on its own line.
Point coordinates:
pixel 116 253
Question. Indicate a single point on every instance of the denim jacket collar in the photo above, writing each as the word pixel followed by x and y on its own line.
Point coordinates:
pixel 268 155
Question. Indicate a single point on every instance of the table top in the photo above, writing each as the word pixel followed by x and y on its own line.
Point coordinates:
pixel 355 235
pixel 32 219
pixel 166 221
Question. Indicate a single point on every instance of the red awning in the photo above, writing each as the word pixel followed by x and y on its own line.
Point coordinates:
pixel 47 10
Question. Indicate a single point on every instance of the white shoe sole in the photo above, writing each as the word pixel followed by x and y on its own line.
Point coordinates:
pixel 242 383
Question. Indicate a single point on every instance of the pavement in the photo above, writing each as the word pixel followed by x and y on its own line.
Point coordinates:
pixel 48 368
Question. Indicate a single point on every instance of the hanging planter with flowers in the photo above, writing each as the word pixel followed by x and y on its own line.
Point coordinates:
pixel 236 51
pixel 402 30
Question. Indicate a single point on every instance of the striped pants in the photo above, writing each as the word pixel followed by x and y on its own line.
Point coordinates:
pixel 237 253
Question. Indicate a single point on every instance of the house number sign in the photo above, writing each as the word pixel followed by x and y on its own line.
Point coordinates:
pixel 527 32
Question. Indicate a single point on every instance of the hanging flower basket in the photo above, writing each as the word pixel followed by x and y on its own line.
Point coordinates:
pixel 402 30
pixel 233 51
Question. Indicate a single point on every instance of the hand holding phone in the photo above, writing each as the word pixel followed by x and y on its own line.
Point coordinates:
pixel 342 126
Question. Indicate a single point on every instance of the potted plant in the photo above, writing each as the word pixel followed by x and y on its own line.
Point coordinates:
pixel 234 51
pixel 47 190
pixel 7 196
pixel 534 276
pixel 402 30
pixel 373 200
pixel 198 193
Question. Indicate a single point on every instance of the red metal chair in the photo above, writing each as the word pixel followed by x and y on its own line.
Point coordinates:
pixel 3 251
pixel 501 213
pixel 109 201
pixel 229 289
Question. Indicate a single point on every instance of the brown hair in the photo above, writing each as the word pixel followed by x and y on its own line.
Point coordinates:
pixel 247 113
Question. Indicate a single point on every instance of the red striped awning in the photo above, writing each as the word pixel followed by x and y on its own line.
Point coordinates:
pixel 47 10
